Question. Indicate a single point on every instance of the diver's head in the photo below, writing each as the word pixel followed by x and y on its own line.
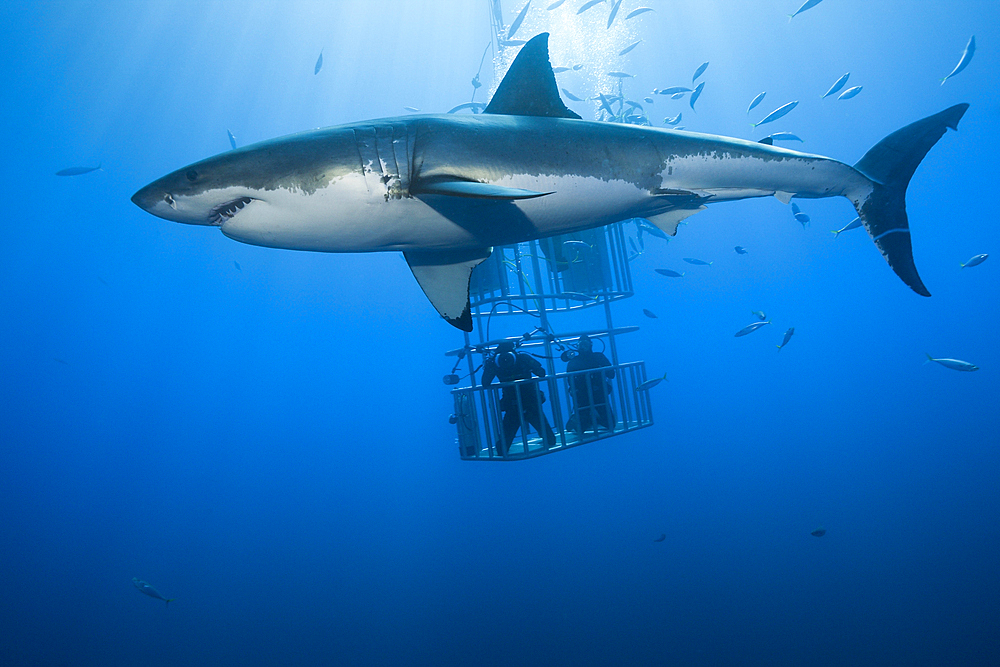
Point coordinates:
pixel 585 344
pixel 505 357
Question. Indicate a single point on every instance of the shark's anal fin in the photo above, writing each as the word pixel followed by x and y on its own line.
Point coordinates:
pixel 529 87
pixel 667 222
pixel 444 277
pixel 474 190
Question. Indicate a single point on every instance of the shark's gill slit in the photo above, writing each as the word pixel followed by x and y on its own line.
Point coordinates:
pixel 226 211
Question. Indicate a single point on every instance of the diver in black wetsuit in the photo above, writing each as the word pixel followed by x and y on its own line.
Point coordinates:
pixel 507 366
pixel 590 390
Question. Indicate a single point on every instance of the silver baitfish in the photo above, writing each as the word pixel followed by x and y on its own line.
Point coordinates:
pixel 750 328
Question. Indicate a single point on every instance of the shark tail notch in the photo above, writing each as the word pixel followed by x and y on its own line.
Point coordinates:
pixel 889 165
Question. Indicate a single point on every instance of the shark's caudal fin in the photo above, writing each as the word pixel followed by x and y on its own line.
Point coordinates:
pixel 890 165
pixel 529 87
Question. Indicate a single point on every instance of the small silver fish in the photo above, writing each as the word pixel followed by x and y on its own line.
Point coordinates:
pixel 750 328
pixel 781 136
pixel 698 72
pixel 621 75
pixel 555 5
pixel 808 4
pixel 570 95
pixel 669 273
pixel 650 314
pixel 614 12
pixel 819 532
pixel 849 93
pixel 853 224
pixel 559 70
pixel 777 113
pixel 673 121
pixel 673 90
pixel 976 261
pixel 647 100
pixel 517 22
pixel 629 48
pixel 77 171
pixel 697 93
pixel 577 68
pixel 649 384
pixel 677 96
pixel 513 42
pixel 755 101
pixel 795 209
pixel 411 109
pixel 588 5
pixel 970 49
pixel 697 262
pixel 954 364
pixel 759 314
pixel 319 62
pixel 605 104
pixel 650 228
pixel 837 85
pixel 788 337
pixel 637 12
pixel 740 250
pixel 802 217
pixel 150 591
pixel 232 139
pixel 661 538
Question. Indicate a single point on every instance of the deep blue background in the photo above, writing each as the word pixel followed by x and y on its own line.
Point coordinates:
pixel 269 445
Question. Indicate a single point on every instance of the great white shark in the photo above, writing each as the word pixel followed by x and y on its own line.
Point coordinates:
pixel 446 189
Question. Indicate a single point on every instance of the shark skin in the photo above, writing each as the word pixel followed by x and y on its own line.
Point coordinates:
pixel 446 189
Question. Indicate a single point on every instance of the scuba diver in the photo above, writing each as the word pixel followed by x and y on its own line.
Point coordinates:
pixel 507 365
pixel 590 390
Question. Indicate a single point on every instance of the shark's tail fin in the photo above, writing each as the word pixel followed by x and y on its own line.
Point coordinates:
pixel 890 165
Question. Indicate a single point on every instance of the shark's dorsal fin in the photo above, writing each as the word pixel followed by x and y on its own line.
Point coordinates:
pixel 529 87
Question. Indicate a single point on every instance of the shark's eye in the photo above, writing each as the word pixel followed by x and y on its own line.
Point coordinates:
pixel 192 175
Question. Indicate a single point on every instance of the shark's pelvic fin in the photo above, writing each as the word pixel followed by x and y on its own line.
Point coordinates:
pixel 444 277
pixel 667 222
pixel 475 190
pixel 529 87
pixel 890 165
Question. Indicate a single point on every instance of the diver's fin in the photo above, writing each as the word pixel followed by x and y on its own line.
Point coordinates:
pixel 529 87
pixel 667 222
pixel 444 277
pixel 890 165
pixel 474 190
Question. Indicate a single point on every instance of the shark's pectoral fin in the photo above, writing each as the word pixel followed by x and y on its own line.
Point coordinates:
pixel 668 221
pixel 474 190
pixel 444 277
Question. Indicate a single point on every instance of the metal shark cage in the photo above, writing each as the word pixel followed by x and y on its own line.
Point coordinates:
pixel 533 287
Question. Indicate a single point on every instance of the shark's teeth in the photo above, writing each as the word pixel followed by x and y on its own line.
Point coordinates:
pixel 226 211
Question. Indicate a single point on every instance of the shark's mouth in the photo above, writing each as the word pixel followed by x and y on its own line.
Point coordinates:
pixel 224 212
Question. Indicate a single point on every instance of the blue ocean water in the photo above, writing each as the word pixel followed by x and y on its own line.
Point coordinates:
pixel 262 434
